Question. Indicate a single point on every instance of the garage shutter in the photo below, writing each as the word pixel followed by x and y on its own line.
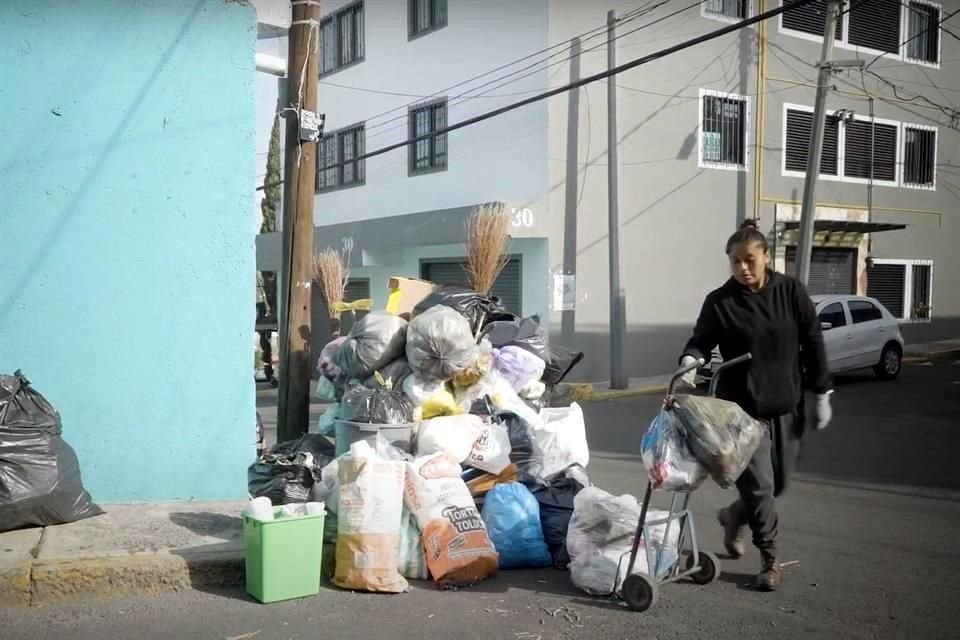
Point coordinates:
pixel 886 283
pixel 358 289
pixel 508 286
pixel 832 271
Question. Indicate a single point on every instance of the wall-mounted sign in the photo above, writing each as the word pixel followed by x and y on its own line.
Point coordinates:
pixel 564 292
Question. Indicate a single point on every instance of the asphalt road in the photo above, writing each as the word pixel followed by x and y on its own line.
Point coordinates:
pixel 869 535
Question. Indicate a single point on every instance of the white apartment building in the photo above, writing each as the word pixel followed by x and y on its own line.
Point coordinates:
pixel 707 137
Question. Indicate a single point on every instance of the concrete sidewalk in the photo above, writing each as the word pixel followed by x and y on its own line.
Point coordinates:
pixel 129 549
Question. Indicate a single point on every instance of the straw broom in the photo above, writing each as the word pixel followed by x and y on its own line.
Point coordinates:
pixel 487 231
pixel 330 274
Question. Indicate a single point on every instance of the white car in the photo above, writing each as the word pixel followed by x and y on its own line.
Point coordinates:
pixel 858 333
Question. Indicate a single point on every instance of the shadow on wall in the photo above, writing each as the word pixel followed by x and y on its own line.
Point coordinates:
pixel 650 350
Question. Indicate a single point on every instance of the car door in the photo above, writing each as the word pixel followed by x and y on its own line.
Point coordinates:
pixel 837 340
pixel 869 331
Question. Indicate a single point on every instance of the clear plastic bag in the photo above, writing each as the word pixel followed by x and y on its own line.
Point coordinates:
pixel 601 532
pixel 562 439
pixel 721 435
pixel 376 340
pixel 440 344
pixel 670 464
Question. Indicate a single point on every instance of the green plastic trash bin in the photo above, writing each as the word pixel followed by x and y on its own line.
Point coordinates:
pixel 283 557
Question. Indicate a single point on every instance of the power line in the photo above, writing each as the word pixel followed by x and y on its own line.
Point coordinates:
pixel 566 43
pixel 637 62
pixel 531 73
pixel 464 97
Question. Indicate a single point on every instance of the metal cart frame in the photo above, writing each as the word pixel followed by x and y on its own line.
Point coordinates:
pixel 641 591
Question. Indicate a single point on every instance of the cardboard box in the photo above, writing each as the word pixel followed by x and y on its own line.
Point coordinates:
pixel 403 294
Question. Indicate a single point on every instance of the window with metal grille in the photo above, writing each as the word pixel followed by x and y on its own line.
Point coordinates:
pixel 919 156
pixel 876 25
pixel 798 128
pixel 341 38
pixel 810 18
pixel 337 165
pixel 857 156
pixel 733 9
pixel 923 32
pixel 904 287
pixel 429 154
pixel 427 15
pixel 723 130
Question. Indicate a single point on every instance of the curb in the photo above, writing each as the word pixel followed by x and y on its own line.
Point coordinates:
pixel 585 392
pixel 40 582
pixel 932 356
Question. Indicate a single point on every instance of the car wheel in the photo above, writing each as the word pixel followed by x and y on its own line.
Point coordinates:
pixel 891 361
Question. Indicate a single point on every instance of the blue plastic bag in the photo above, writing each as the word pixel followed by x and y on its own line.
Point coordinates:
pixel 512 516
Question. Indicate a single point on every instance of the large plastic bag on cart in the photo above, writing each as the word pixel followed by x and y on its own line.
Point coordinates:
pixel 376 340
pixel 562 438
pixel 512 516
pixel 440 344
pixel 556 507
pixel 40 481
pixel 721 435
pixel 368 519
pixel 459 551
pixel 600 537
pixel 669 462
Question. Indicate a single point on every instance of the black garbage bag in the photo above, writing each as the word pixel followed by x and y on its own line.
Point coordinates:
pixel 478 309
pixel 525 333
pixel 561 362
pixel 40 483
pixel 556 508
pixel 383 405
pixel 524 451
pixel 287 474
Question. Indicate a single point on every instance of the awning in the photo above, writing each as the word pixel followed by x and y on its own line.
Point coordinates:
pixel 846 226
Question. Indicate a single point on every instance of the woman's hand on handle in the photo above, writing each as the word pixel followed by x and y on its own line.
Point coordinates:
pixel 689 379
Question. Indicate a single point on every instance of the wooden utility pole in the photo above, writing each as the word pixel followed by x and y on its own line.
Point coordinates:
pixel 300 176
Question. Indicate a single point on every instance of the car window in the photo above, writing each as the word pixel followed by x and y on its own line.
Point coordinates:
pixel 833 313
pixel 863 311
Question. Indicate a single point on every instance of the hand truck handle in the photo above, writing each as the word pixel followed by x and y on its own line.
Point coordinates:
pixel 715 379
pixel 682 371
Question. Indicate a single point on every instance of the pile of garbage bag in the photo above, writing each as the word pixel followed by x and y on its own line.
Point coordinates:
pixel 488 478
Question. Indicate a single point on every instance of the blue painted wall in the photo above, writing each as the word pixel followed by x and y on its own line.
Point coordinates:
pixel 126 235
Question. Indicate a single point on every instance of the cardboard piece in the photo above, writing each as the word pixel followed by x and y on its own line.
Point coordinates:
pixel 406 293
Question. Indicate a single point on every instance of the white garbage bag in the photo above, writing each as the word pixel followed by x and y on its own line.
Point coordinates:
pixel 453 436
pixel 562 439
pixel 601 534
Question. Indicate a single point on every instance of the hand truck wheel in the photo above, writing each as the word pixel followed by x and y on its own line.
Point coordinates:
pixel 639 592
pixel 709 568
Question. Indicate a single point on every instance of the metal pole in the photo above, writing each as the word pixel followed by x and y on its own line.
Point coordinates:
pixel 873 133
pixel 808 208
pixel 617 311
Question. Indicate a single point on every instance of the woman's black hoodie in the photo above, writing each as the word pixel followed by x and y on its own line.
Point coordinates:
pixel 779 326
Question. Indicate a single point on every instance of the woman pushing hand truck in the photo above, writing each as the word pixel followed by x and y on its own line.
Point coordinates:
pixel 769 315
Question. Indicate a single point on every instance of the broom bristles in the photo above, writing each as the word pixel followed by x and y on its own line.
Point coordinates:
pixel 487 231
pixel 331 276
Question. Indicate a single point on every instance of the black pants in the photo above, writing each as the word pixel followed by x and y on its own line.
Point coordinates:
pixel 765 478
